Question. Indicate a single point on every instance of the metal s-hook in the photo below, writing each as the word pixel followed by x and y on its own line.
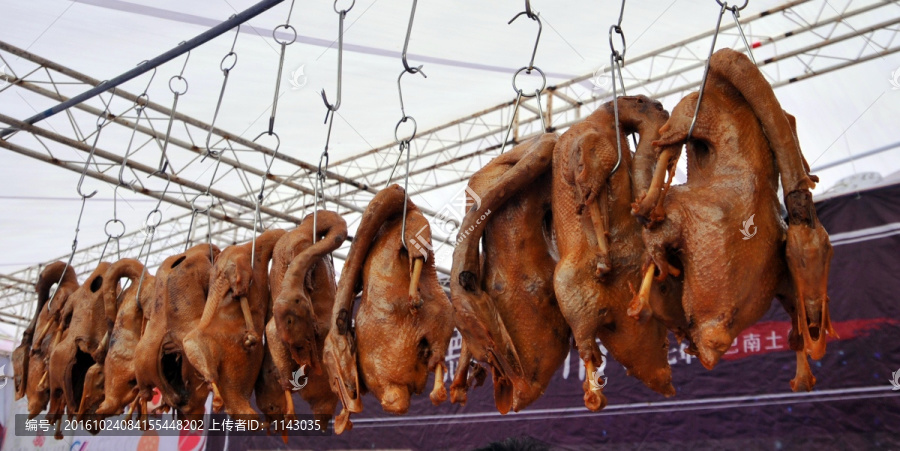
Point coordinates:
pixel 320 188
pixel 283 44
pixel 139 109
pixel 412 70
pixel 154 218
pixel 114 222
pixel 407 69
pixel 87 163
pixel 329 115
pixel 177 91
pixel 226 69
pixel 101 122
pixel 405 142
pixel 257 219
pixel 535 17
pixel 403 111
pixel 616 61
pixel 144 95
pixel 332 108
pixel 165 190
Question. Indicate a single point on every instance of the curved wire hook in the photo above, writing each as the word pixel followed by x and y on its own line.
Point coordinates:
pixel 257 219
pixel 412 70
pixel 319 189
pixel 186 58
pixel 334 107
pixel 622 13
pixel 101 121
pixel 151 228
pixel 226 69
pixel 165 190
pixel 163 161
pixel 237 32
pixel 87 163
pixel 262 188
pixel 535 17
pixel 149 82
pixel 400 92
pixel 138 110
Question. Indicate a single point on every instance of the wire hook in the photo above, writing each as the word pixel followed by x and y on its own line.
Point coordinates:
pixel 319 189
pixel 166 189
pixel 257 220
pixel 154 218
pixel 138 110
pixel 528 69
pixel 412 70
pixel 143 95
pixel 535 17
pixel 332 108
pixel 226 69
pixel 186 58
pixel 101 121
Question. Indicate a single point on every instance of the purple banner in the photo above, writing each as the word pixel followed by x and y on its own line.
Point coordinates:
pixel 746 401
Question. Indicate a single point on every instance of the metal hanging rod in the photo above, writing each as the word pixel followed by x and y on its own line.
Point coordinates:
pixel 173 53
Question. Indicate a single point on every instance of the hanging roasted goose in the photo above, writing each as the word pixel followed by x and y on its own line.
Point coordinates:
pixel 82 329
pixel 31 359
pixel 404 322
pixel 303 290
pixel 225 345
pixel 600 244
pixel 182 286
pixel 743 141
pixel 505 307
pixel 125 323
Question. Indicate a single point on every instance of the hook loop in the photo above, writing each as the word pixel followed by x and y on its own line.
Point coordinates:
pixel 733 8
pixel 286 27
pixel 528 71
pixel 619 56
pixel 178 90
pixel 112 233
pixel 411 136
pixel 227 67
pixel 343 11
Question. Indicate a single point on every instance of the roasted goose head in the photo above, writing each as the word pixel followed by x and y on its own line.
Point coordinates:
pixel 404 322
pixel 182 286
pixel 31 358
pixel 501 304
pixel 742 143
pixel 600 244
pixel 303 290
pixel 224 345
pixel 126 320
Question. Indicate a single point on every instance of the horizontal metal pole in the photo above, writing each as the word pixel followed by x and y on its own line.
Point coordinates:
pixel 190 44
